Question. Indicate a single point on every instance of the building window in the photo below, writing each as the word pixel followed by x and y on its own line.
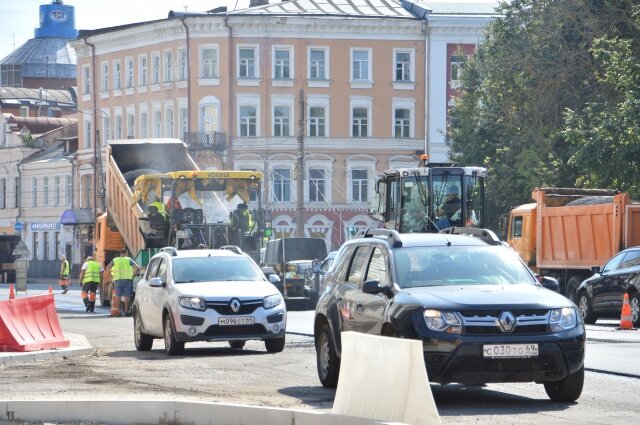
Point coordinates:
pixel 34 191
pixel 17 202
pixel 47 247
pixel 457 62
pixel 282 64
pixel 86 185
pixel 57 246
pixel 131 125
pixel 142 71
pixel 155 69
pixel 105 77
pixel 402 124
pixel 360 65
pixel 184 121
pixel 67 190
pixel 116 75
pixel 168 122
pixel 144 129
pixel 36 246
pixel 182 67
pixel 117 130
pixel 282 185
pixel 209 62
pixel 360 122
pixel 86 80
pixel 129 70
pixel 105 130
pixel 45 188
pixel 317 185
pixel 317 64
pixel 317 122
pixel 359 185
pixel 403 66
pixel 281 121
pixel 247 66
pixel 248 121
pixel 58 191
pixel 88 136
pixel 157 124
pixel 168 66
pixel 3 193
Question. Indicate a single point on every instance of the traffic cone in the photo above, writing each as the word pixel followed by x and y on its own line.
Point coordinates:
pixel 625 318
pixel 50 290
pixel 12 294
pixel 115 304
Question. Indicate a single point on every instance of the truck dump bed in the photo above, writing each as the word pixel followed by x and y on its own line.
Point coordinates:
pixel 583 235
pixel 125 157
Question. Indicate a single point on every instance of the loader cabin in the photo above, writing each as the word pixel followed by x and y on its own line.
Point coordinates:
pixel 430 198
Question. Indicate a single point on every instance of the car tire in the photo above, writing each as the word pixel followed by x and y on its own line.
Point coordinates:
pixel 568 389
pixel 142 341
pixel 327 361
pixel 274 345
pixel 571 291
pixel 634 303
pixel 585 308
pixel 237 345
pixel 171 345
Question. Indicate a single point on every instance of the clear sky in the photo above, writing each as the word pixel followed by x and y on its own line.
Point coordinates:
pixel 19 19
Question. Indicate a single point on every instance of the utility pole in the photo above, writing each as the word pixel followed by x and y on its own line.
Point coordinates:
pixel 300 188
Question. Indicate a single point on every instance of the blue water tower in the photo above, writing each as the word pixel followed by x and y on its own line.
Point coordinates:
pixel 56 20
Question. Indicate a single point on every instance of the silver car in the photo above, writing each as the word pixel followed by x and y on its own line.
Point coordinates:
pixel 207 295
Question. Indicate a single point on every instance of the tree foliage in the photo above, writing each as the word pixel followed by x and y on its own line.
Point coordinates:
pixel 545 67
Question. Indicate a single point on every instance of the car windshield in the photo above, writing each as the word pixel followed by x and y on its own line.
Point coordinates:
pixel 459 265
pixel 215 269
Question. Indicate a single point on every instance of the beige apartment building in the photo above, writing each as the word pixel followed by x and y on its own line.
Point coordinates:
pixel 361 85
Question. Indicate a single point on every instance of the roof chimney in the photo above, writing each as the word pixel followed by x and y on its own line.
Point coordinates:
pixel 255 3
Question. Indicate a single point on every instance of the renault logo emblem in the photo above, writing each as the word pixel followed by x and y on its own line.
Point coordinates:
pixel 507 321
pixel 235 305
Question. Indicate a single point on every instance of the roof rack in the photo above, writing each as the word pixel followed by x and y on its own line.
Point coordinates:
pixel 171 250
pixel 485 234
pixel 392 236
pixel 232 248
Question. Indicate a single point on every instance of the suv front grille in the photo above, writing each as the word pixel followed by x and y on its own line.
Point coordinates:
pixel 224 307
pixel 527 322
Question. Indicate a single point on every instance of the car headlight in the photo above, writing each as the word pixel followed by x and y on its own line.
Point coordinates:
pixel 443 321
pixel 563 319
pixel 194 303
pixel 271 301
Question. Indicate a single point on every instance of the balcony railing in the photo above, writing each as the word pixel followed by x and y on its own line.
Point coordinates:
pixel 213 140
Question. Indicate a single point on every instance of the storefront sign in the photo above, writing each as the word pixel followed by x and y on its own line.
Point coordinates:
pixel 45 226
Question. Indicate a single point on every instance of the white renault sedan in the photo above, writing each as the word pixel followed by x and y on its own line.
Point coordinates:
pixel 207 295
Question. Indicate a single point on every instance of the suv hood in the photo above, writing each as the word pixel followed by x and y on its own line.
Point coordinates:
pixel 227 289
pixel 486 297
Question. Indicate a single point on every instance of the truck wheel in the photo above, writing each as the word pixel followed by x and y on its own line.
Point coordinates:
pixel 568 389
pixel 571 291
pixel 171 345
pixel 105 301
pixel 634 303
pixel 327 359
pixel 274 345
pixel 586 311
pixel 143 341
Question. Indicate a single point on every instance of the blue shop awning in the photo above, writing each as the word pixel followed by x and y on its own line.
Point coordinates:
pixel 77 216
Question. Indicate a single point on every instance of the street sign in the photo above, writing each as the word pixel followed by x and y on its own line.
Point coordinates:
pixel 18 226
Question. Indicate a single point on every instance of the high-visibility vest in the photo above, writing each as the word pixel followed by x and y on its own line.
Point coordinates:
pixel 92 272
pixel 122 268
pixel 65 268
pixel 161 208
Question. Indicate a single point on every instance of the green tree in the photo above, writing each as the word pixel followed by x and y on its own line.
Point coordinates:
pixel 535 63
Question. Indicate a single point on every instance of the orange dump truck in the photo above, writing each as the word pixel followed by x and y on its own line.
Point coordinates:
pixel 567 231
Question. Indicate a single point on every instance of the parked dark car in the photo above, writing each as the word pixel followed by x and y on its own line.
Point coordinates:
pixel 479 311
pixel 602 294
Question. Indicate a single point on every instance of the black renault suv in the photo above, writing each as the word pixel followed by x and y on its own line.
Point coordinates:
pixel 480 313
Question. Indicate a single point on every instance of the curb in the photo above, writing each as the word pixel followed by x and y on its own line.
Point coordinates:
pixel 79 346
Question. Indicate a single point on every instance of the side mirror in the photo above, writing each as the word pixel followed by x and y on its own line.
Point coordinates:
pixel 596 269
pixel 157 282
pixel 273 278
pixel 550 283
pixel 372 287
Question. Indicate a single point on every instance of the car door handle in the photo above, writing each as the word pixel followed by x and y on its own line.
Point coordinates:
pixel 359 306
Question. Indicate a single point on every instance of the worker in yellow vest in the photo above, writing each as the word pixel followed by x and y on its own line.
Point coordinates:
pixel 90 278
pixel 64 275
pixel 123 268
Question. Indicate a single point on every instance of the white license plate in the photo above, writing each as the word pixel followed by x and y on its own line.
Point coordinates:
pixel 509 350
pixel 235 321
